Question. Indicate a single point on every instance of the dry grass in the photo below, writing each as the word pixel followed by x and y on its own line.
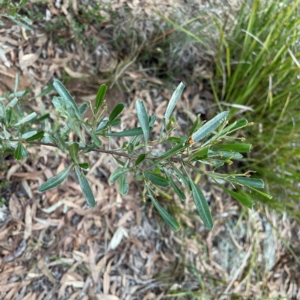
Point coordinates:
pixel 53 247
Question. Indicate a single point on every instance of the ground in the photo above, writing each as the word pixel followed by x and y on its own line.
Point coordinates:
pixel 52 246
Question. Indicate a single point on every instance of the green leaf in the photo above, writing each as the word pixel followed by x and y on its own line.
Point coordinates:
pixel 209 127
pixel 26 119
pixel 83 108
pixel 243 148
pixel 37 136
pixel 44 92
pixel 84 166
pixel 152 120
pixel 96 140
pixel 85 187
pixel 130 148
pixel 143 119
pixel 201 154
pixel 164 214
pixel 181 176
pixel 175 140
pixel 20 152
pixel 115 122
pixel 45 116
pixel 12 103
pixel 224 154
pixel 19 22
pixel 100 97
pixel 55 180
pixel 119 161
pixel 128 132
pixel 117 173
pixel 176 189
pixel 195 126
pixel 156 179
pixel 140 159
pixel 2 112
pixel 94 137
pixel 73 151
pixel 202 206
pixel 123 184
pixel 28 134
pixel 60 142
pixel 234 126
pixel 241 198
pixel 173 101
pixel 171 152
pixel 260 192
pixel 102 125
pixel 250 182
pixel 64 93
pixel 76 127
pixel 116 111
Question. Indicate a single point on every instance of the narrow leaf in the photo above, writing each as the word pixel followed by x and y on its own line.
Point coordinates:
pixel 175 140
pixel 209 127
pixel 164 214
pixel 55 180
pixel 12 103
pixel 241 198
pixel 60 142
pixel 83 108
pixel 171 152
pixel 28 134
pixel 243 148
pixel 85 187
pixel 95 139
pixel 260 192
pixel 116 111
pixel 181 176
pixel 115 122
pixel 45 116
pixel 140 159
pixel 117 173
pixel 173 101
pixel 102 125
pixel 195 126
pixel 123 185
pixel 26 119
pixel 128 132
pixel 250 182
pixel 37 136
pixel 64 93
pixel 235 126
pixel 176 189
pixel 201 154
pixel 73 151
pixel 224 154
pixel 19 22
pixel 143 119
pixel 20 152
pixel 84 166
pixel 202 206
pixel 44 92
pixel 100 97
pixel 76 127
pixel 156 179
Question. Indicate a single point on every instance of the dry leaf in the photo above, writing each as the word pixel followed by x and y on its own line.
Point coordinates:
pixel 28 223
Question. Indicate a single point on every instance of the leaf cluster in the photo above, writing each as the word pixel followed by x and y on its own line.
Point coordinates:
pixel 212 143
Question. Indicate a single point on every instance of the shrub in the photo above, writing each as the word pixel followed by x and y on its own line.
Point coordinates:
pixel 204 144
